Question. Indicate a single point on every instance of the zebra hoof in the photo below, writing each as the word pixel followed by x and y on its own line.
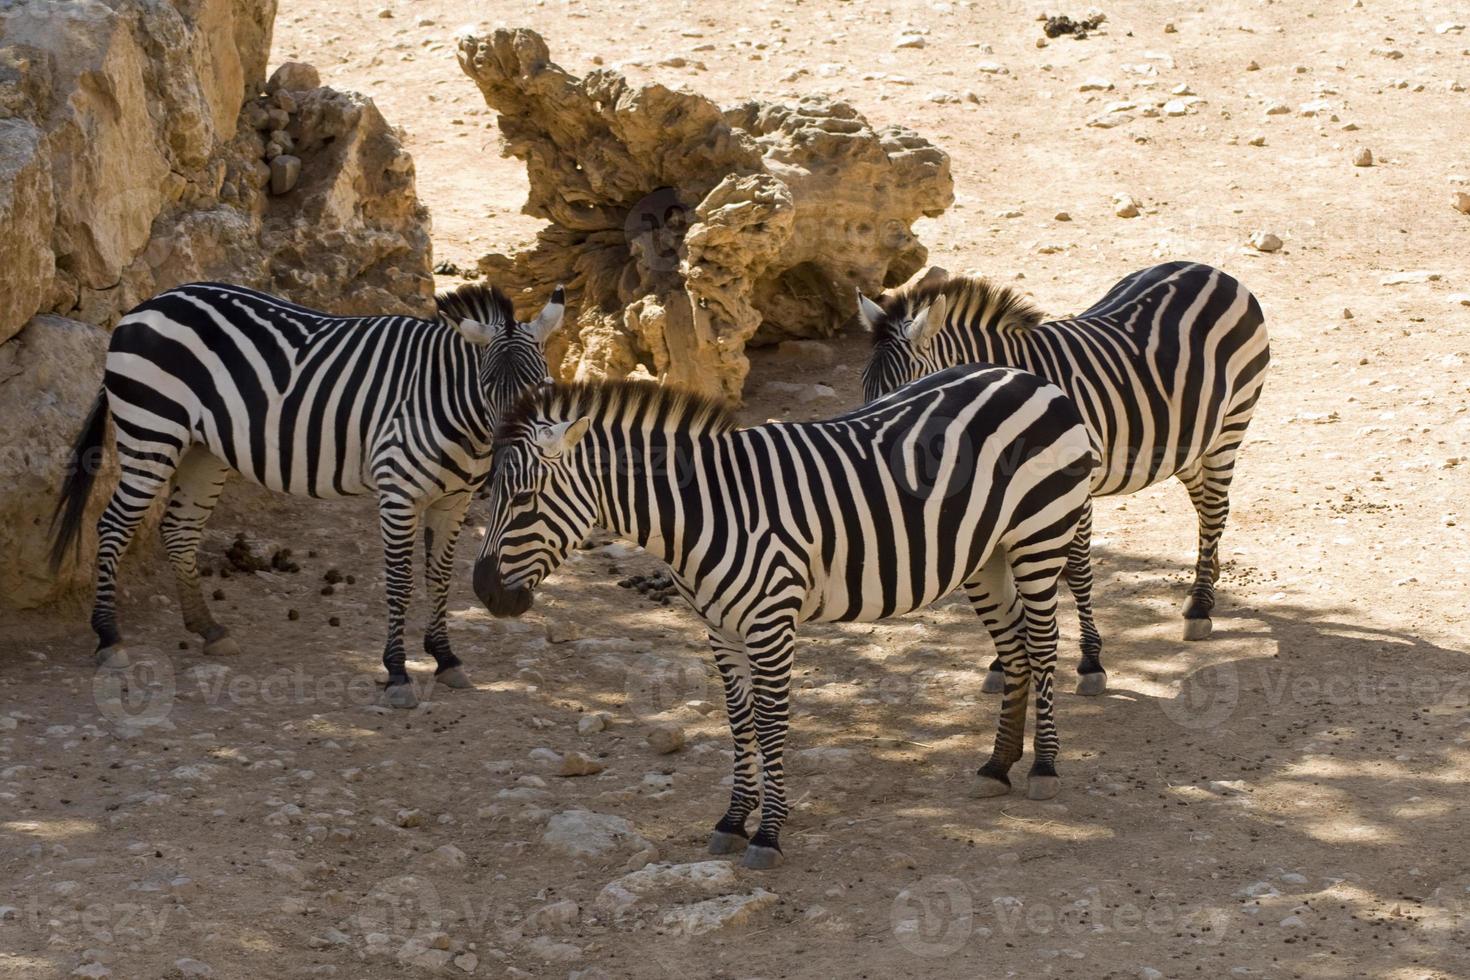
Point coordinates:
pixel 759 858
pixel 995 683
pixel 113 657
pixel 1198 629
pixel 1042 787
pixel 400 695
pixel 454 677
pixel 225 646
pixel 1091 685
pixel 988 786
pixel 721 842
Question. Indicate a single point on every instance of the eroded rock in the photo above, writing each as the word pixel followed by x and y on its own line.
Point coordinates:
pixel 684 231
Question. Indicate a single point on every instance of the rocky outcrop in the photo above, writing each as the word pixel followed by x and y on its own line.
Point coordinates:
pixel 684 231
pixel 139 140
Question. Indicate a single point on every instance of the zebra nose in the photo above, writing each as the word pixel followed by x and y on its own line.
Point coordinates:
pixel 493 593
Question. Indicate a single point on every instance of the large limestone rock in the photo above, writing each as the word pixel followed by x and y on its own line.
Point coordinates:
pixel 48 378
pixel 685 231
pixel 137 144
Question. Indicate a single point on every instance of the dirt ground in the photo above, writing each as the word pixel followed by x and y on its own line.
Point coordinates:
pixel 1285 799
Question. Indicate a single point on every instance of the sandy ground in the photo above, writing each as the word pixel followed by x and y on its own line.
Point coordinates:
pixel 1285 799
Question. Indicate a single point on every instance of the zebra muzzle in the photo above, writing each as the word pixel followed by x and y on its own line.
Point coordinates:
pixel 492 590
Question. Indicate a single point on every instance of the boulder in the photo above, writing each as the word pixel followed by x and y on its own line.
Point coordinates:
pixel 49 374
pixel 584 834
pixel 684 231
pixel 134 156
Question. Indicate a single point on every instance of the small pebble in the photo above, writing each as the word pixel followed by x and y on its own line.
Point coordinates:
pixel 666 738
pixel 1362 157
pixel 1265 241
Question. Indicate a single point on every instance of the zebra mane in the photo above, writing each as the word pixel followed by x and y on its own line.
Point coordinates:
pixel 996 307
pixel 475 301
pixel 689 412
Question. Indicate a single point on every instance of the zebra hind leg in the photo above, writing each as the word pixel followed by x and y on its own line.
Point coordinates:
pixel 1208 483
pixel 1039 596
pixel 399 517
pixel 730 834
pixel 1092 678
pixel 197 485
pixel 442 522
pixel 147 464
pixel 992 594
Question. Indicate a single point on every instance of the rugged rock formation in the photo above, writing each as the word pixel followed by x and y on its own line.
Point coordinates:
pixel 128 166
pixel 684 231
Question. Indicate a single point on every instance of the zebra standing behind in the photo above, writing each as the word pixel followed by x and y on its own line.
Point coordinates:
pixel 975 476
pixel 208 378
pixel 1166 369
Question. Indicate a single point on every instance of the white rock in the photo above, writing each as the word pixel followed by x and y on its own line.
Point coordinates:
pixel 1124 206
pixel 556 917
pixel 910 41
pixel 1406 278
pixel 630 889
pixel 551 950
pixel 92 970
pixel 591 723
pixel 1293 922
pixel 1149 973
pixel 1265 241
pixel 585 834
pixel 666 738
pixel 467 962
pixel 1095 85
pixel 1362 157
pixel 715 914
pixel 448 856
pixel 193 968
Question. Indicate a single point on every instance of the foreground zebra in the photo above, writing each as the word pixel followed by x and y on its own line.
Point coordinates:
pixel 975 476
pixel 1165 368
pixel 207 378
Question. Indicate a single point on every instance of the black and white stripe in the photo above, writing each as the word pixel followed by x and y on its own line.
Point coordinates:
pixel 1165 369
pixel 207 378
pixel 975 476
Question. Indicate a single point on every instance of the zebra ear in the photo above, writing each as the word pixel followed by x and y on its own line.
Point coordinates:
pixel 870 313
pixel 922 328
pixel 550 317
pixel 476 332
pixel 559 438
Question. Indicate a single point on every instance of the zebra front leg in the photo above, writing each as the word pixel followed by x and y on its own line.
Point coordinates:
pixel 729 834
pixel 1092 679
pixel 442 522
pixel 1208 483
pixel 197 485
pixel 399 518
pixel 768 650
pixel 146 469
pixel 992 594
pixel 1039 597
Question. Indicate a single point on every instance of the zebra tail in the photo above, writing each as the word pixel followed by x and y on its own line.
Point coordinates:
pixel 81 472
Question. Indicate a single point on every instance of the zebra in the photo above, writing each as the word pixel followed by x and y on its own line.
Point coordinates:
pixel 1166 369
pixel 975 476
pixel 208 378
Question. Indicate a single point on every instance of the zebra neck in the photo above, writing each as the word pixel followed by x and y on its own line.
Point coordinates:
pixel 659 489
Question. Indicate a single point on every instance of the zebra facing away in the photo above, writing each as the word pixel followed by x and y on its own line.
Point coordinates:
pixel 1166 369
pixel 208 378
pixel 975 476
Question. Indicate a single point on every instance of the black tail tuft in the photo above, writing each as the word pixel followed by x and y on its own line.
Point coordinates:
pixel 81 472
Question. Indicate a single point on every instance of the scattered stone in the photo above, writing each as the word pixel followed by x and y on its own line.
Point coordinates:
pixel 549 949
pixel 1347 314
pixel 578 764
pixel 448 856
pixel 1461 201
pixel 409 818
pixel 1265 241
pixel 1258 140
pixel 1124 206
pixel 1362 157
pixel 1095 85
pixel 556 917
pixel 585 834
pixel 910 41
pixel 591 723
pixel 293 76
pixel 1062 216
pixel 1461 298
pixel 193 968
pixel 285 172
pixel 627 891
pixel 666 738
pixel 93 970
pixel 467 962
pixel 715 914
pixel 1252 66
pixel 1277 109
